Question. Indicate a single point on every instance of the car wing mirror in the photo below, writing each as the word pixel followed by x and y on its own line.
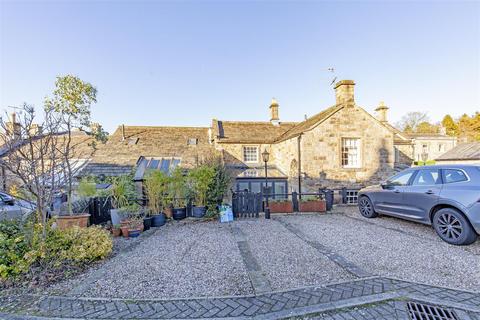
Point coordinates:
pixel 386 185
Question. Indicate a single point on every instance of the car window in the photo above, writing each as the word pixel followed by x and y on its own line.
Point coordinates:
pixel 426 177
pixel 454 175
pixel 400 179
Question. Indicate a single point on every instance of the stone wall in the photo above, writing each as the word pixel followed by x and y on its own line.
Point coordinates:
pixel 321 152
pixel 404 154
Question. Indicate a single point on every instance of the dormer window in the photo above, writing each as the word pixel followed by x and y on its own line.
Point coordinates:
pixel 250 153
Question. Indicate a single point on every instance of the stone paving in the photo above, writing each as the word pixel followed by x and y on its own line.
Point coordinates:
pixel 368 297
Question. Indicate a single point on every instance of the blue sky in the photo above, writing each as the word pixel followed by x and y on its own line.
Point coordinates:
pixel 184 63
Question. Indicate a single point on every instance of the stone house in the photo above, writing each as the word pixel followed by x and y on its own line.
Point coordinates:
pixel 342 145
pixel 431 146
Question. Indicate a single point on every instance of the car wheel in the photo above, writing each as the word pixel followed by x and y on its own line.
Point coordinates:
pixel 365 207
pixel 453 227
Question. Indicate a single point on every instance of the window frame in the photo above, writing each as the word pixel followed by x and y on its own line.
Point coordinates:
pixel 444 180
pixel 409 181
pixel 359 153
pixel 257 152
pixel 417 172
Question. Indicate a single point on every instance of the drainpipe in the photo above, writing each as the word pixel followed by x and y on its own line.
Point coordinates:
pixel 299 140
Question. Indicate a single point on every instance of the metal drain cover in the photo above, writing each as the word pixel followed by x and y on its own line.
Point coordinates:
pixel 420 311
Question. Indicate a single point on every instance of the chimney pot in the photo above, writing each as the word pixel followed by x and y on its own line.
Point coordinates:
pixel 344 92
pixel 382 111
pixel 274 118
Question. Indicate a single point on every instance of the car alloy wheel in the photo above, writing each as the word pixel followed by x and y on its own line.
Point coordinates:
pixel 366 208
pixel 449 226
pixel 453 227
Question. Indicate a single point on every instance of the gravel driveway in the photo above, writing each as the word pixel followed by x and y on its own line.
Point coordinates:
pixel 194 259
pixel 392 247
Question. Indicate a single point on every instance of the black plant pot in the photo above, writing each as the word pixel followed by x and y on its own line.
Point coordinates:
pixel 199 212
pixel 179 213
pixel 147 223
pixel 158 220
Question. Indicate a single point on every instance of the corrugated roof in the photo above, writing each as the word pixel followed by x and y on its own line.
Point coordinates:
pixel 249 131
pixel 464 151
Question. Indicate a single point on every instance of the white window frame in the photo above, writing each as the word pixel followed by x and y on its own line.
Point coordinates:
pixel 257 154
pixel 358 146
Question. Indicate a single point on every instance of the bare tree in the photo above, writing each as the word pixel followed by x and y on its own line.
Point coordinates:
pixel 30 154
pixel 411 120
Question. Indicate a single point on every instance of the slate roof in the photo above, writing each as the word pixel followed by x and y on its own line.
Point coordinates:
pixel 125 146
pixel 266 132
pixel 464 151
pixel 309 123
pixel 429 135
pixel 81 144
pixel 249 131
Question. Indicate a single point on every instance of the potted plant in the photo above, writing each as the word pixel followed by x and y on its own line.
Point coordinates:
pixel 156 188
pixel 135 226
pixel 116 231
pixel 311 204
pixel 120 194
pixel 199 180
pixel 280 206
pixel 178 190
pixel 76 214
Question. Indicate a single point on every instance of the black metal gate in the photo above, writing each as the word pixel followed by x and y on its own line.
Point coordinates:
pixel 99 209
pixel 246 204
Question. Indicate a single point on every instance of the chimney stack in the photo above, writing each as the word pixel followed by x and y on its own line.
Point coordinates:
pixel 344 92
pixel 274 119
pixel 382 111
pixel 35 129
pixel 14 129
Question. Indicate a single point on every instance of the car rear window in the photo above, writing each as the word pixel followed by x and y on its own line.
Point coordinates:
pixel 454 175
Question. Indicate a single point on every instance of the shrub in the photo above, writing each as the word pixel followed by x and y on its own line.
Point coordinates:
pixel 23 247
pixel 13 246
pixel 218 186
pixel 156 188
pixel 200 178
pixel 86 188
pixel 80 245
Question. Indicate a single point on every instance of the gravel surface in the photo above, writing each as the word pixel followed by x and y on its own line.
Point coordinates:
pixel 393 247
pixel 182 259
pixel 193 259
pixel 286 260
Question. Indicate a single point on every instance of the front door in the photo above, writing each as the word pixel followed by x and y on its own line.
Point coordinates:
pixel 390 199
pixel 423 194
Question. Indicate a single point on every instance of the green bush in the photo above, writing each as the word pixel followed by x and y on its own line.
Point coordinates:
pixel 22 247
pixel 13 246
pixel 86 188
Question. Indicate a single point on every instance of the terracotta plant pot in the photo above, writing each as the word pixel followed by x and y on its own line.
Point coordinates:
pixel 168 212
pixel 117 232
pixel 312 206
pixel 124 231
pixel 79 220
pixel 281 207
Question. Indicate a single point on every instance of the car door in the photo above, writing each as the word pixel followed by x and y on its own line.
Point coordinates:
pixel 389 200
pixel 422 194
